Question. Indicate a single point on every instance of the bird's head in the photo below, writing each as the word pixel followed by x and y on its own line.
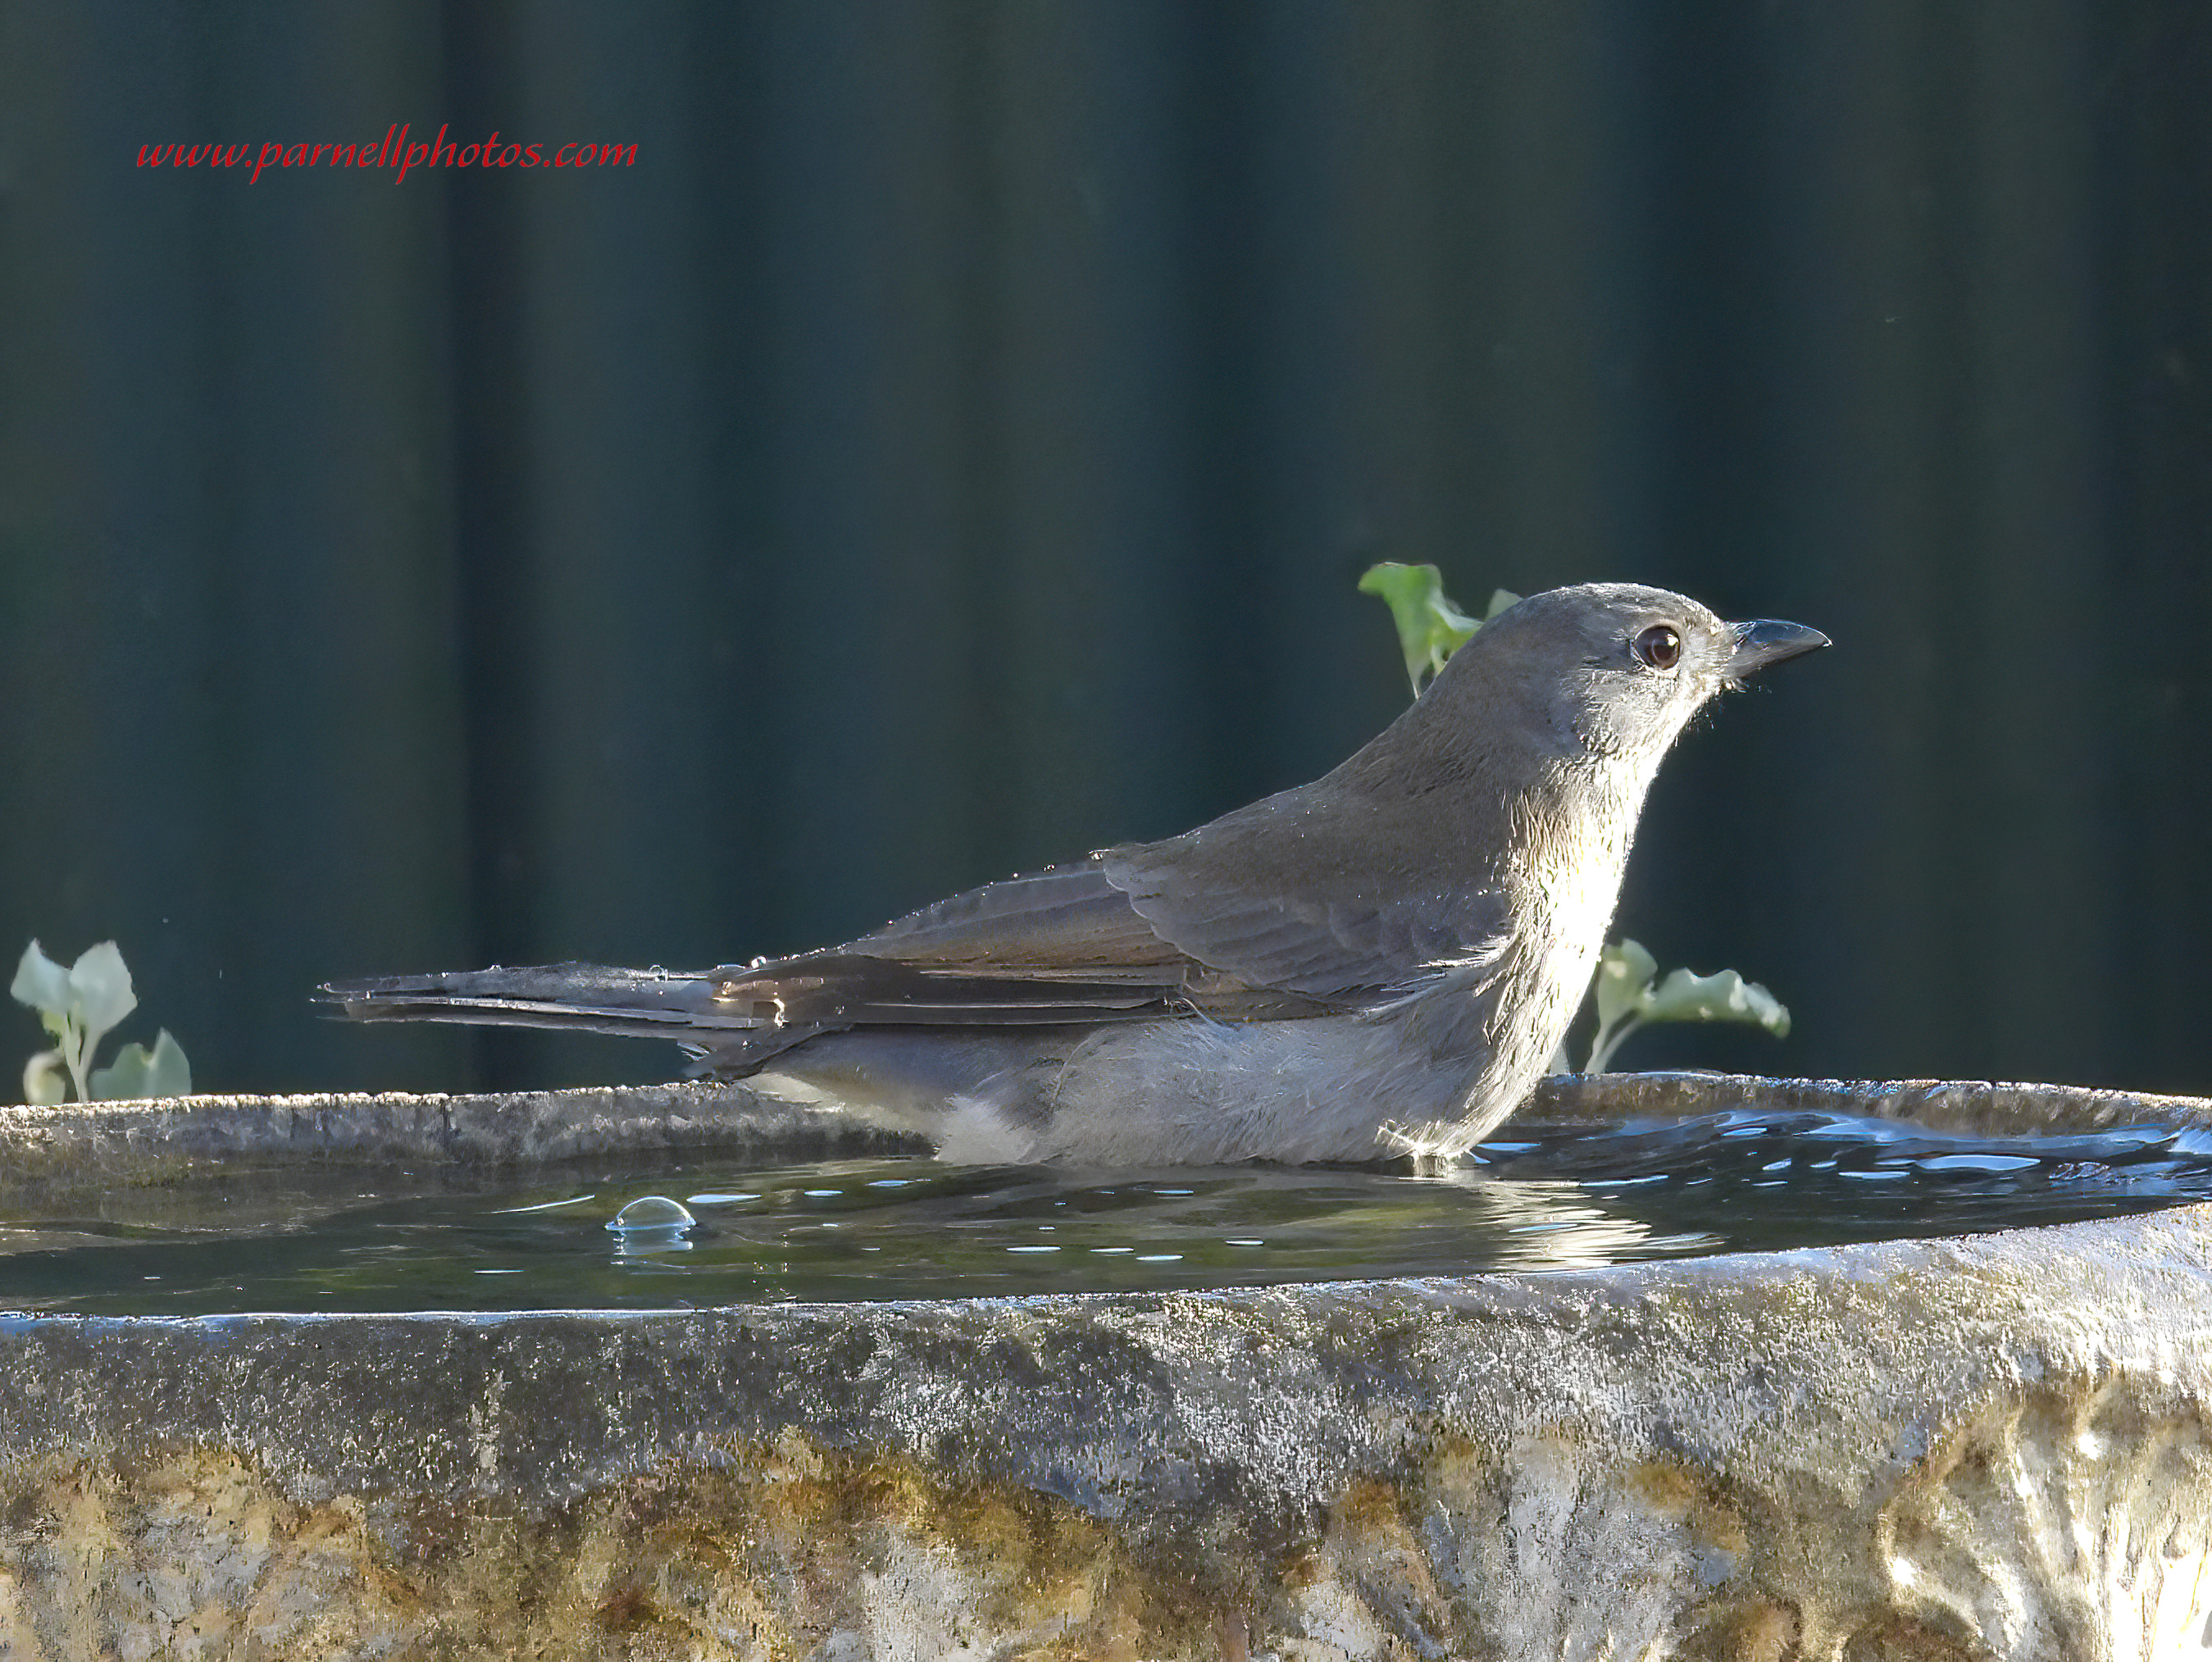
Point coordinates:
pixel 1610 672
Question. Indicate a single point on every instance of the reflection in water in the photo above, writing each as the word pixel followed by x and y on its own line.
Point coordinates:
pixel 1546 1224
pixel 613 1235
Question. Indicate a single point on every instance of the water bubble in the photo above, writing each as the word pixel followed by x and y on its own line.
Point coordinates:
pixel 652 1212
pixel 713 1198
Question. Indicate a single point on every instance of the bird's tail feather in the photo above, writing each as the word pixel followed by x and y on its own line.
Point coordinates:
pixel 580 997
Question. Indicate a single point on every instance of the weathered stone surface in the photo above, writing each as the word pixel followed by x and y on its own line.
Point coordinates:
pixel 153 1140
pixel 1990 1447
pixel 1939 1105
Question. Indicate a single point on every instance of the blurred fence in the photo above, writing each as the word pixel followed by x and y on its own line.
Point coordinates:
pixel 952 444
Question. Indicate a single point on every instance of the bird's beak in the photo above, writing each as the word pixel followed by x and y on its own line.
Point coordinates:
pixel 1763 641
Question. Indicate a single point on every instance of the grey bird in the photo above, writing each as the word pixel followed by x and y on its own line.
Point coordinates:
pixel 1384 959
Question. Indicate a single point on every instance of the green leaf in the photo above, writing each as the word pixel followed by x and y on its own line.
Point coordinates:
pixel 46 1082
pixel 1725 997
pixel 170 1076
pixel 1623 982
pixel 41 983
pixel 138 1072
pixel 1430 627
pixel 101 982
pixel 78 1007
pixel 1627 1000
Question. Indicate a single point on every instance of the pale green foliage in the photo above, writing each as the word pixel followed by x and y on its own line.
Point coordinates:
pixel 1627 1000
pixel 1430 630
pixel 139 1072
pixel 79 1006
pixel 1430 627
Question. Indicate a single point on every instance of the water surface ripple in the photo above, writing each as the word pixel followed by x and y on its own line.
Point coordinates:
pixel 595 1235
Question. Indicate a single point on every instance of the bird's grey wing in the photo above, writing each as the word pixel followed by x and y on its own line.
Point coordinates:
pixel 1310 909
pixel 1062 946
pixel 1065 921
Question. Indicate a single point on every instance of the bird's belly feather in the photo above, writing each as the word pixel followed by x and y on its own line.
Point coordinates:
pixel 1178 1091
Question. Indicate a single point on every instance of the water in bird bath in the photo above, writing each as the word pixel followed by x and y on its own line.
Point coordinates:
pixel 628 1234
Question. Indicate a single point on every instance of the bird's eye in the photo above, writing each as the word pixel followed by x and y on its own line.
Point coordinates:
pixel 1660 646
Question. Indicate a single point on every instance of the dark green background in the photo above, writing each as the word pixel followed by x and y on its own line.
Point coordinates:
pixel 953 445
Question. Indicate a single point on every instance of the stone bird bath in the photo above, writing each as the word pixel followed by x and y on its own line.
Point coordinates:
pixel 1987 1447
